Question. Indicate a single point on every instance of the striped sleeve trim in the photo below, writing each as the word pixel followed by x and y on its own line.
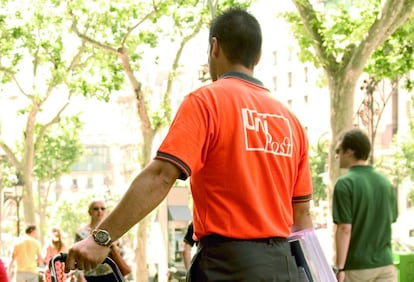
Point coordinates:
pixel 302 198
pixel 185 169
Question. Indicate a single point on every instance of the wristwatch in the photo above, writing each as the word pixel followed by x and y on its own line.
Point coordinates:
pixel 336 270
pixel 102 237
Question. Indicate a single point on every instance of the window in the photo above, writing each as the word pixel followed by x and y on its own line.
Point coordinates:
pixel 410 198
pixel 74 185
pixel 89 182
pixel 305 73
pixel 289 79
pixel 275 58
pixel 94 158
pixel 274 80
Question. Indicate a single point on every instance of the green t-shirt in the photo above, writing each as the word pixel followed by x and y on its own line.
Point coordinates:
pixel 366 199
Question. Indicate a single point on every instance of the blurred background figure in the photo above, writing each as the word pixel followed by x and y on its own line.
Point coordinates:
pixel 3 272
pixel 188 245
pixel 53 247
pixel 27 254
pixel 97 212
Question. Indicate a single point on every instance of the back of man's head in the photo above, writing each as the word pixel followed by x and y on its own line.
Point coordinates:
pixel 30 229
pixel 357 141
pixel 239 36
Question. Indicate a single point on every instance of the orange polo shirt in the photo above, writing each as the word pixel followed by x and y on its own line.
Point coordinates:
pixel 246 155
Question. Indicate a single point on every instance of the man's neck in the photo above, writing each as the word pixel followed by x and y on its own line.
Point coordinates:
pixel 359 163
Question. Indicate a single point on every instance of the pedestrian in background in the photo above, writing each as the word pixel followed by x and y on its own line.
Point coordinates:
pixel 53 247
pixel 364 208
pixel 27 255
pixel 102 272
pixel 247 155
pixel 96 212
pixel 3 273
pixel 189 243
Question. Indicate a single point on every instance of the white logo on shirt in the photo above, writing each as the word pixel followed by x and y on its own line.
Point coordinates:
pixel 269 133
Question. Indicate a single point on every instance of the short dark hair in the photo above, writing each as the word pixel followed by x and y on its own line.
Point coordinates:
pixel 239 34
pixel 30 228
pixel 356 140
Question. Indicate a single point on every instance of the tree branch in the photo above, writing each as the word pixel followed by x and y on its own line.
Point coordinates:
pixel 54 120
pixel 311 23
pixel 11 157
pixel 10 74
pixel 393 14
pixel 131 29
pixel 93 42
pixel 76 59
pixel 136 87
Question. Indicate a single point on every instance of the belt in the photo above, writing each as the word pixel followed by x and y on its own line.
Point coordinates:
pixel 214 239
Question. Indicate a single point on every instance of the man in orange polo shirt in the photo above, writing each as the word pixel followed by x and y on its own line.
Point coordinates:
pixel 247 158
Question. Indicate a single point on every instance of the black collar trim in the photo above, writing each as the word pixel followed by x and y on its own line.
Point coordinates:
pixel 243 76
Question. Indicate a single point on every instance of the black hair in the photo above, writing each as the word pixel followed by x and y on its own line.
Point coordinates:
pixel 239 34
pixel 30 229
pixel 357 141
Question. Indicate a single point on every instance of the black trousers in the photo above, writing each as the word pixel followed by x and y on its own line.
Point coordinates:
pixel 225 259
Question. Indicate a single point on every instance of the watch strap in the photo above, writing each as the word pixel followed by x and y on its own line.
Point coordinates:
pixel 336 270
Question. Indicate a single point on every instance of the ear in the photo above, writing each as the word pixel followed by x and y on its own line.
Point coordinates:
pixel 258 58
pixel 215 47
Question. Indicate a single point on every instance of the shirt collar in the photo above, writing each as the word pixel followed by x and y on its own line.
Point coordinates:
pixel 242 76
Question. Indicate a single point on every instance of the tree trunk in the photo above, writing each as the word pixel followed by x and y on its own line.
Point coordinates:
pixel 28 199
pixel 141 274
pixel 341 89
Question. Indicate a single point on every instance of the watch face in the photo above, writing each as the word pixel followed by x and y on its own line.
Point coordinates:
pixel 101 236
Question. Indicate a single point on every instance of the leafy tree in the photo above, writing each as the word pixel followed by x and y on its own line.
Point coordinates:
pixel 43 67
pixel 59 150
pixel 69 213
pixel 341 41
pixel 389 64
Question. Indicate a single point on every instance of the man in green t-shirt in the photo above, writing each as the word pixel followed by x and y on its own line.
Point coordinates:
pixel 364 208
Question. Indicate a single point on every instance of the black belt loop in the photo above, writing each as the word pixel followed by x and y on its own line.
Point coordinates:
pixel 214 239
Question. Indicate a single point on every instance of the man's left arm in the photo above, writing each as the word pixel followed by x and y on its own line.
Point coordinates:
pixel 145 193
pixel 301 216
pixel 342 239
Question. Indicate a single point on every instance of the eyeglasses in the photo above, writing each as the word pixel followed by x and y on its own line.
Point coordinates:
pixel 99 208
